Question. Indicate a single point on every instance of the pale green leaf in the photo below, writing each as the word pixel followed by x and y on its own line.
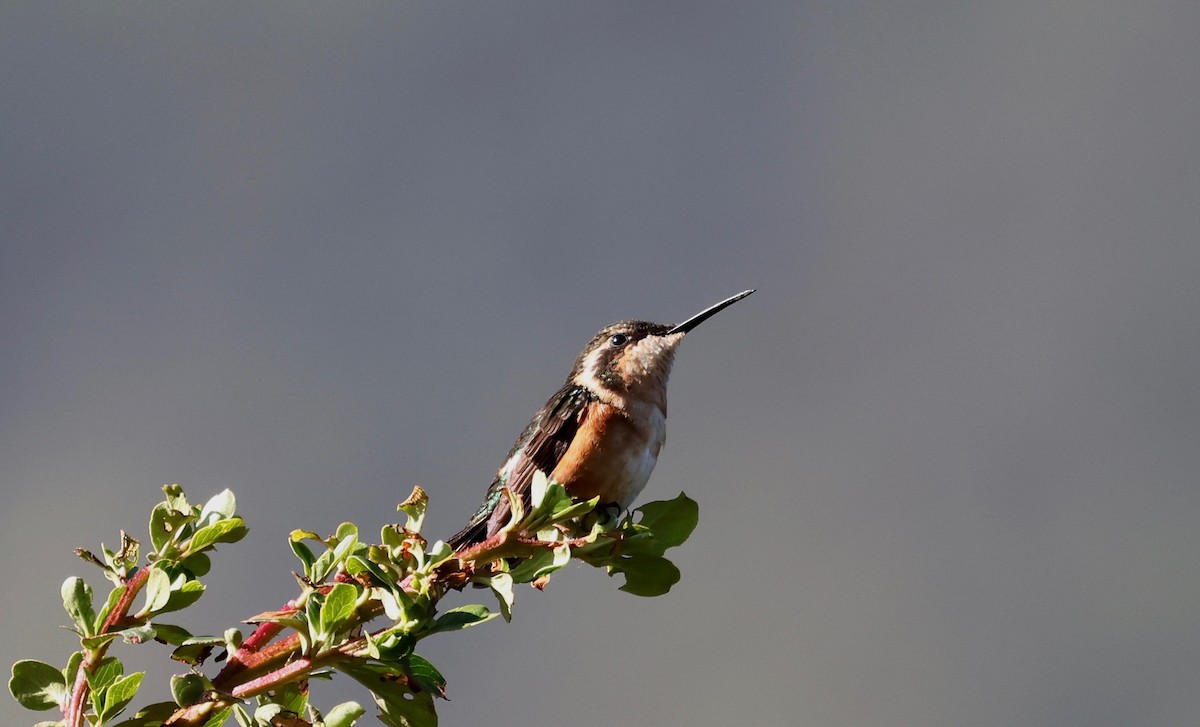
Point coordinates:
pixel 344 714
pixel 37 685
pixel 77 600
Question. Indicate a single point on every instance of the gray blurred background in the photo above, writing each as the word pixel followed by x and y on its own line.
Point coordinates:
pixel 946 457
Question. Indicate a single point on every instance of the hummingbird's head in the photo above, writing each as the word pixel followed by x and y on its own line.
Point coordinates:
pixel 632 359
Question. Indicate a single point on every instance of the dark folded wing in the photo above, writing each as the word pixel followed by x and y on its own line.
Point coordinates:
pixel 539 448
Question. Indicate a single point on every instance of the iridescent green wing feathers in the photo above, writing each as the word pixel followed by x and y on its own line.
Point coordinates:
pixel 539 448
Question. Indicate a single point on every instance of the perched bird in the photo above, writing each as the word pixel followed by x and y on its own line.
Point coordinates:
pixel 600 434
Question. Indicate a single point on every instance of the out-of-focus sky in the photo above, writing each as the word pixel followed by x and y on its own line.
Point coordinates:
pixel 947 457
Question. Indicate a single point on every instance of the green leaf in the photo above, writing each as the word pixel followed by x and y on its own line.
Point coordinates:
pixel 502 585
pixel 460 618
pixel 243 717
pixel 328 561
pixel 543 564
pixel 165 522
pixel 187 688
pixel 400 705
pixel 293 697
pixel 71 670
pixel 192 654
pixel 670 521
pixel 183 596
pixel 171 634
pixel 157 590
pixel 175 499
pixel 105 673
pixel 220 506
pixel 538 489
pixel 118 696
pixel 570 510
pixel 344 714
pixel 647 575
pixel 356 564
pixel 77 600
pixel 415 507
pixel 426 675
pixel 113 596
pixel 137 634
pixel 338 607
pixel 219 718
pixel 302 551
pixel 222 531
pixel 198 564
pixel 152 715
pixel 346 531
pixel 95 642
pixel 265 713
pixel 37 685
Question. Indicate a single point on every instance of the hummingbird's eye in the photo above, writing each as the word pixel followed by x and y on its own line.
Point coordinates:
pixel 618 339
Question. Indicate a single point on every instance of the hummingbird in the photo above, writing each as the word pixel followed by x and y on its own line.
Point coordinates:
pixel 600 434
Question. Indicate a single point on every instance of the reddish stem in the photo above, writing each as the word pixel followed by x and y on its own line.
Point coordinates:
pixel 91 657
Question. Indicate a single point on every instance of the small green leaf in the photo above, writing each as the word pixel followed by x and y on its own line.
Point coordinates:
pixel 415 507
pixel 538 488
pixel 192 654
pixel 105 673
pixel 165 522
pixel 185 595
pixel 157 590
pixel 344 714
pixel 543 564
pixel 243 717
pixel 338 607
pixel 220 506
pixel 502 585
pixel 77 600
pixel 222 531
pixel 574 509
pixel 345 531
pixel 460 618
pixel 118 696
pixel 171 634
pixel 426 675
pixel 303 552
pixel 265 713
pixel 137 634
pixel 152 715
pixel 175 499
pixel 219 717
pixel 113 597
pixel 312 614
pixel 293 697
pixel 647 575
pixel 71 670
pixel 198 564
pixel 95 642
pixel 356 564
pixel 186 688
pixel 328 561
pixel 37 685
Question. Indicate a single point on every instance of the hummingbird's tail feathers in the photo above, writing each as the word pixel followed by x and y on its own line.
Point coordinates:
pixel 475 532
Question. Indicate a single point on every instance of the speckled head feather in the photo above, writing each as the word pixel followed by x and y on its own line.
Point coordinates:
pixel 609 361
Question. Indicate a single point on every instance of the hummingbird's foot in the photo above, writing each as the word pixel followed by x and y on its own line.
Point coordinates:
pixel 610 511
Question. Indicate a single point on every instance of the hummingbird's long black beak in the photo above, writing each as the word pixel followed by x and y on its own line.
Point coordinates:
pixel 707 313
